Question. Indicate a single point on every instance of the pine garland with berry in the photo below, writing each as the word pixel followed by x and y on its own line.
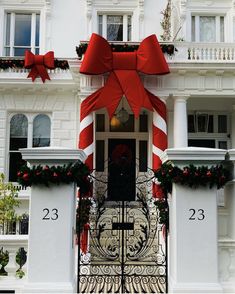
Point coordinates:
pixel 191 175
pixel 76 172
pixel 19 63
pixel 166 48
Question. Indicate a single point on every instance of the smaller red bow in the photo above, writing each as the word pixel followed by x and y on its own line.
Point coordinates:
pixel 38 64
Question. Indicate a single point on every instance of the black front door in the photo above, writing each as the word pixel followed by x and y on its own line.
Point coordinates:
pixel 121 169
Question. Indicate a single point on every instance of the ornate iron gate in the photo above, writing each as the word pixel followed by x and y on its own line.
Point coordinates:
pixel 127 246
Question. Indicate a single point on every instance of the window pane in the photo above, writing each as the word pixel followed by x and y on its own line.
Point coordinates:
pixel 202 121
pixel 115 27
pixel 37 30
pixel 99 158
pixel 41 131
pixel 36 50
pixel 143 123
pixel 193 29
pixel 8 27
pixel 143 156
pixel 100 122
pixel 201 143
pixel 125 127
pixel 129 28
pixel 22 30
pixel 191 126
pixel 7 51
pixel 207 29
pixel 100 25
pixel 211 124
pixel 14 165
pixel 222 124
pixel 19 126
pixel 223 145
pixel 221 29
pixel 20 51
pixel 18 132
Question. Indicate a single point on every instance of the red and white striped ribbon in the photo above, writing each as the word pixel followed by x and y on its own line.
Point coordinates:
pixel 86 136
pixel 159 142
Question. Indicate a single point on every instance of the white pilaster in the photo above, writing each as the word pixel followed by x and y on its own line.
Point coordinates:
pixel 230 198
pixel 51 252
pixel 233 128
pixel 229 192
pixel 193 241
pixel 180 122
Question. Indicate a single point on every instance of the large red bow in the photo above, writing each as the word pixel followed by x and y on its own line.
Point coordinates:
pixel 123 78
pixel 38 64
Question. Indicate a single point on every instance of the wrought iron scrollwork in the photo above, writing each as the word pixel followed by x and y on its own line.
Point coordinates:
pixel 127 249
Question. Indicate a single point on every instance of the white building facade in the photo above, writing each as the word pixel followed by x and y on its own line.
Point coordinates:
pixel 199 91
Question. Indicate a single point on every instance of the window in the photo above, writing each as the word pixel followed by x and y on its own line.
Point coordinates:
pixel 115 27
pixel 26 131
pixel 207 28
pixel 208 130
pixel 21 33
pixel 41 131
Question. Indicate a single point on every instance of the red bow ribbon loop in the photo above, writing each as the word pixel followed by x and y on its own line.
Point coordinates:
pixel 39 64
pixel 123 78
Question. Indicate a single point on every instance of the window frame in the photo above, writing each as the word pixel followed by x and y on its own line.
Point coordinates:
pixel 215 135
pixel 30 117
pixel 125 16
pixel 11 45
pixel 197 16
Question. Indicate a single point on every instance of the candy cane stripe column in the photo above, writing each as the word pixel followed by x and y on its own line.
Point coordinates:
pixel 159 134
pixel 86 136
pixel 159 140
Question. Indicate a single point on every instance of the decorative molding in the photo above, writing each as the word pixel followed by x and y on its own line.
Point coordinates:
pixel 141 10
pixel 89 8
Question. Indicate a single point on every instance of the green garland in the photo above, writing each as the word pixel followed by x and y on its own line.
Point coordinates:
pixel 76 172
pixel 19 63
pixel 81 49
pixel 191 176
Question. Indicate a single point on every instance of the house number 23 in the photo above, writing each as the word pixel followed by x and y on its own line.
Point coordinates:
pixel 197 214
pixel 50 215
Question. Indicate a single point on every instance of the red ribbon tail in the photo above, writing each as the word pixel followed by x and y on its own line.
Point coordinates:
pixel 157 191
pixel 42 72
pixel 84 239
pixel 33 73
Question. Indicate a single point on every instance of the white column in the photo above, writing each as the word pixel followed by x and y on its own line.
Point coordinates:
pixel 233 129
pixel 193 241
pixel 180 122
pixel 51 252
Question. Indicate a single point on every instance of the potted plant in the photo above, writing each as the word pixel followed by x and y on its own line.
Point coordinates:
pixel 4 259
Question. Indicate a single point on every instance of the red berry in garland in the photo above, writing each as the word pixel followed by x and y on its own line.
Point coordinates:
pixel 209 174
pixel 185 172
pixel 25 176
pixel 69 174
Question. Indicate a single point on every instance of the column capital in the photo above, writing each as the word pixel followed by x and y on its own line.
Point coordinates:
pixel 52 155
pixel 231 153
pixel 194 155
pixel 181 98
